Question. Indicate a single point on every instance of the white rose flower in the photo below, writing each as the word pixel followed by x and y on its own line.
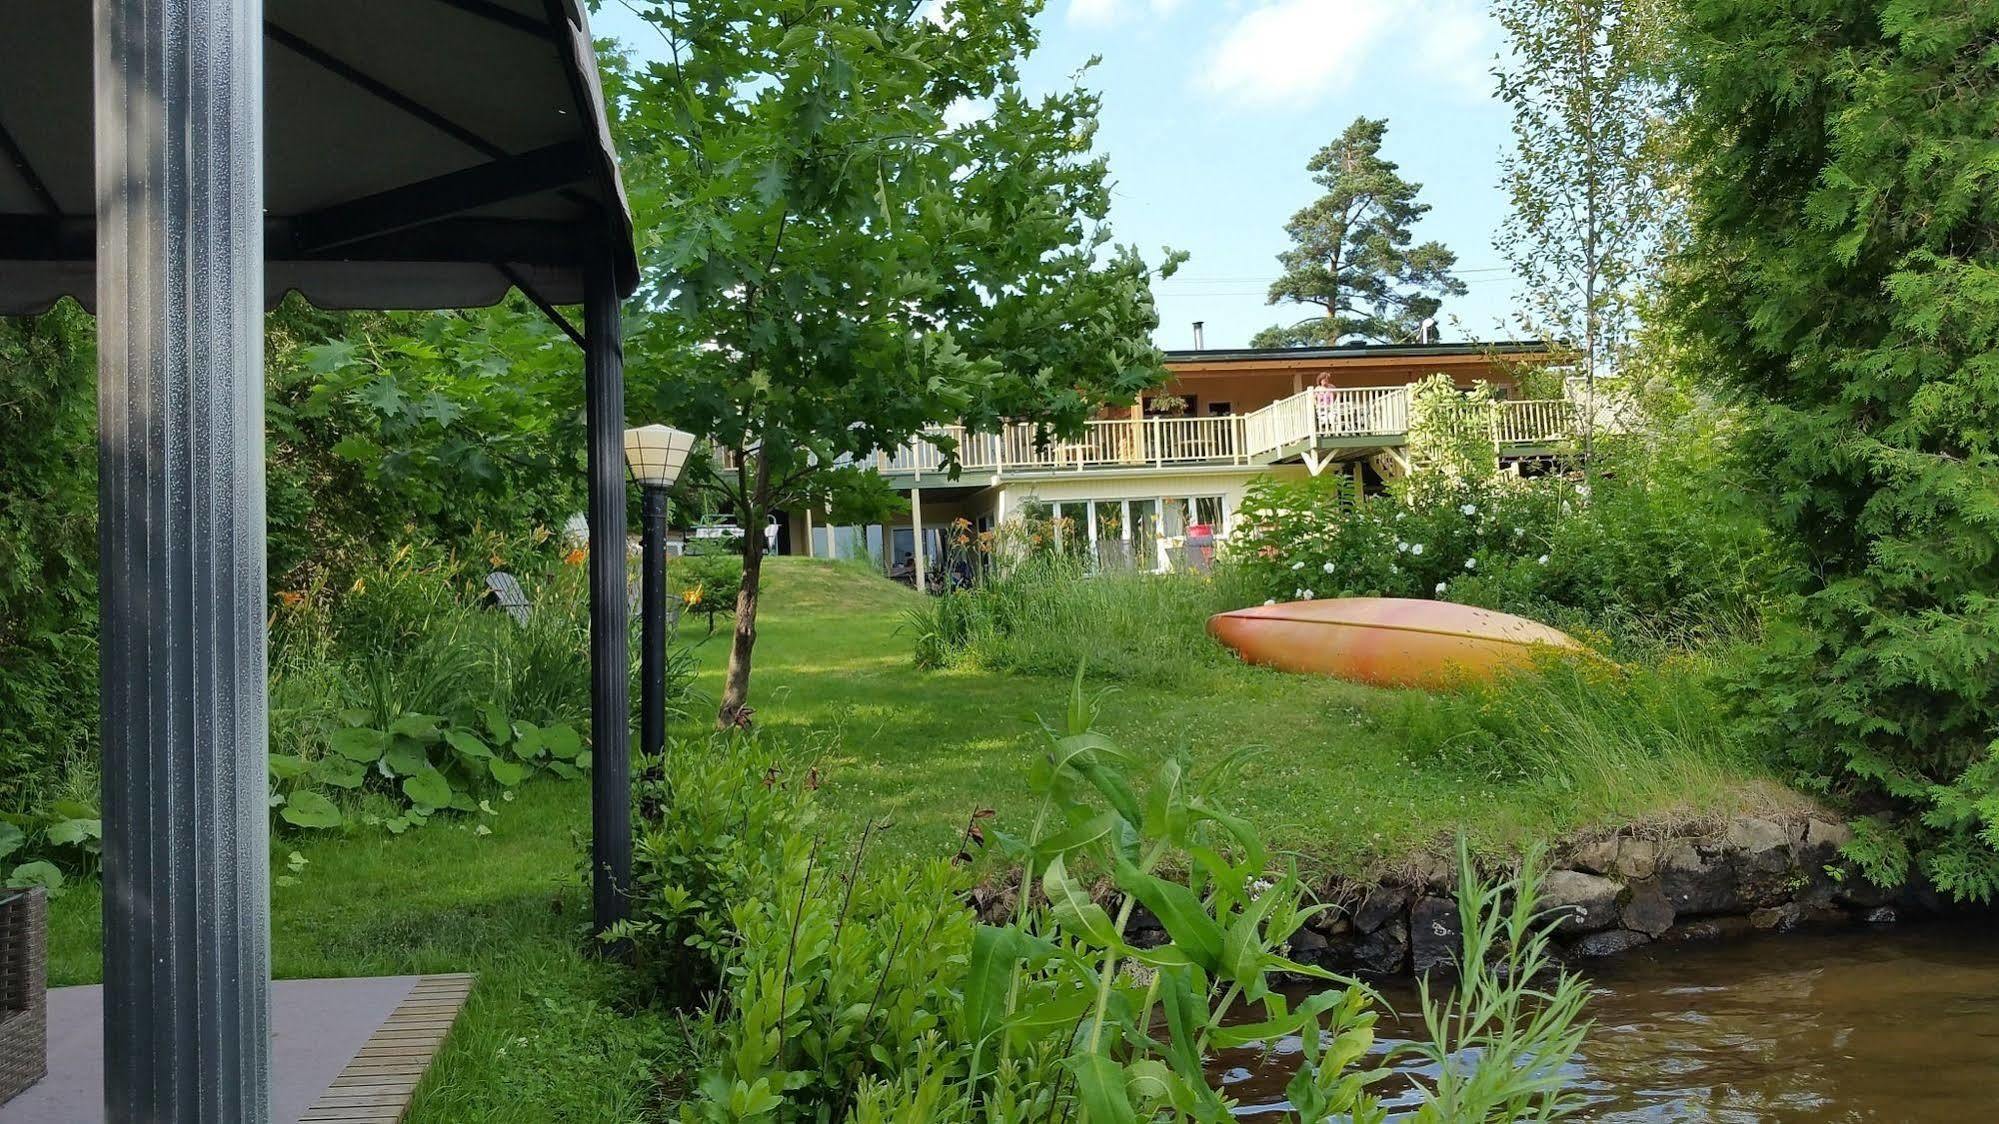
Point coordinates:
pixel 1328 567
pixel 1469 509
pixel 1471 563
pixel 1416 548
pixel 1543 560
pixel 1271 601
pixel 1401 546
pixel 1440 589
pixel 1297 565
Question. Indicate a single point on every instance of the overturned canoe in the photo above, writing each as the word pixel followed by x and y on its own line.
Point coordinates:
pixel 1386 641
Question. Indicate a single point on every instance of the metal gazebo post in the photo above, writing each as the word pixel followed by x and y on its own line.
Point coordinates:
pixel 180 288
pixel 610 628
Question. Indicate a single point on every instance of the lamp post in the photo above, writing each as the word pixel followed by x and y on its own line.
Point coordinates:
pixel 655 454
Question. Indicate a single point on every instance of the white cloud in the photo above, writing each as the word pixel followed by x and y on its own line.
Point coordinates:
pixel 1104 13
pixel 1454 44
pixel 1295 50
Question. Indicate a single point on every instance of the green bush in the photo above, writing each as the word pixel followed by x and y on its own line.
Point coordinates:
pixel 706 583
pixel 1843 274
pixel 1653 548
pixel 1048 613
pixel 878 996
pixel 48 550
pixel 717 821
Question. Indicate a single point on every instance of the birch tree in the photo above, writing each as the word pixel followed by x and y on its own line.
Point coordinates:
pixel 1590 199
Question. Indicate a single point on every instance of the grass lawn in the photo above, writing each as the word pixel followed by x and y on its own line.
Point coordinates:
pixel 1350 778
pixel 1342 784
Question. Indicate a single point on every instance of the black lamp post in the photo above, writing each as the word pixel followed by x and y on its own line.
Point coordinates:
pixel 655 454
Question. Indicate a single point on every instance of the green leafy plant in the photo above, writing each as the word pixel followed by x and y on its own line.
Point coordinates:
pixel 878 995
pixel 430 763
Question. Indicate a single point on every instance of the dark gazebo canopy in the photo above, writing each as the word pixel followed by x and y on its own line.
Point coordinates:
pixel 178 167
pixel 418 153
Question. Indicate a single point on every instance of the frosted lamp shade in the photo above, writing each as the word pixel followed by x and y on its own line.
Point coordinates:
pixel 656 453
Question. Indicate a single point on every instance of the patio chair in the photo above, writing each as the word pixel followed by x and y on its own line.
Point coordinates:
pixel 24 1033
pixel 505 590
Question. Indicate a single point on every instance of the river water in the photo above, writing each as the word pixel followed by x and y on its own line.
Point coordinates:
pixel 1886 1024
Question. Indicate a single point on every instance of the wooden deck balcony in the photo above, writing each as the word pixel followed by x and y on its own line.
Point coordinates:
pixel 1314 419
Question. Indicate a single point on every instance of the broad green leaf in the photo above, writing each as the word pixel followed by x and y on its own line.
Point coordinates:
pixel 405 757
pixel 506 773
pixel 307 808
pixel 358 743
pixel 285 767
pixel 1076 836
pixel 420 727
pixel 1100 1083
pixel 496 724
pixel 467 743
pixel 1186 921
pixel 427 788
pixel 1070 905
pixel 339 772
pixel 561 740
pixel 69 833
pixel 38 873
pixel 11 838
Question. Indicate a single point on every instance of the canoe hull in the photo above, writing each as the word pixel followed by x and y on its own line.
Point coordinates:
pixel 1386 641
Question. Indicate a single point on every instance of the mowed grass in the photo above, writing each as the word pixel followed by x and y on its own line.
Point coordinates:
pixel 1349 779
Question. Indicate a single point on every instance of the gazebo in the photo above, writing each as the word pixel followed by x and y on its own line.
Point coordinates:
pixel 180 165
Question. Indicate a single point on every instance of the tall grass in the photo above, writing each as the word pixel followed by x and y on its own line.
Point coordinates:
pixel 1048 615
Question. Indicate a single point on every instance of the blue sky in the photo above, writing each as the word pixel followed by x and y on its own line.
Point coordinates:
pixel 1212 107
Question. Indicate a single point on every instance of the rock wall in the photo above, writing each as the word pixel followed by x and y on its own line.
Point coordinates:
pixel 1614 894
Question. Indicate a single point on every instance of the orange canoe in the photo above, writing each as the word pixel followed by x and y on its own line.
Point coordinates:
pixel 1386 641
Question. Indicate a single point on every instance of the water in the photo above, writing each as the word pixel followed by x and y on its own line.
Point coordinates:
pixel 1898 1024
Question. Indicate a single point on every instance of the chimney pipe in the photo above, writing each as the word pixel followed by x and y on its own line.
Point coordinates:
pixel 1199 343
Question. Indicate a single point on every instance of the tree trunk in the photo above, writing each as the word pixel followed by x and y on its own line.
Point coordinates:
pixel 735 710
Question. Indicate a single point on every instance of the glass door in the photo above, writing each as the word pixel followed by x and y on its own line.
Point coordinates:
pixel 1142 520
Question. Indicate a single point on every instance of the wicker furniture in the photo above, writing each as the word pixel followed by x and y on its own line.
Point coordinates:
pixel 24 1046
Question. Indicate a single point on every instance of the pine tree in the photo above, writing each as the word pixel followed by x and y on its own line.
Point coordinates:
pixel 1352 253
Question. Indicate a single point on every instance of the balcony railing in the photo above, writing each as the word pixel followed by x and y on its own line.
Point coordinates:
pixel 1258 437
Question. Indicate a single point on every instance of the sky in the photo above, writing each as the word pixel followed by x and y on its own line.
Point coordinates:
pixel 1211 109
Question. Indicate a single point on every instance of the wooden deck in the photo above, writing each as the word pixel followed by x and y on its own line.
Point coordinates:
pixel 343 1051
pixel 378 1085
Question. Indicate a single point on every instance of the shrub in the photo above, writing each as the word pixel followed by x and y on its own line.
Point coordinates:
pixel 718 821
pixel 48 550
pixel 1841 274
pixel 706 583
pixel 1650 549
pixel 878 996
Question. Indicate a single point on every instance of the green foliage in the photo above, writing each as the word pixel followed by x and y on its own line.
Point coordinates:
pixel 841 264
pixel 714 819
pixel 879 996
pixel 48 548
pixel 706 584
pixel 1046 614
pixel 1843 272
pixel 1351 253
pixel 1588 178
pixel 464 427
pixel 1452 434
pixel 1659 547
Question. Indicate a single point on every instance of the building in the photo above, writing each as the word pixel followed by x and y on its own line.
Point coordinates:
pixel 1185 455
